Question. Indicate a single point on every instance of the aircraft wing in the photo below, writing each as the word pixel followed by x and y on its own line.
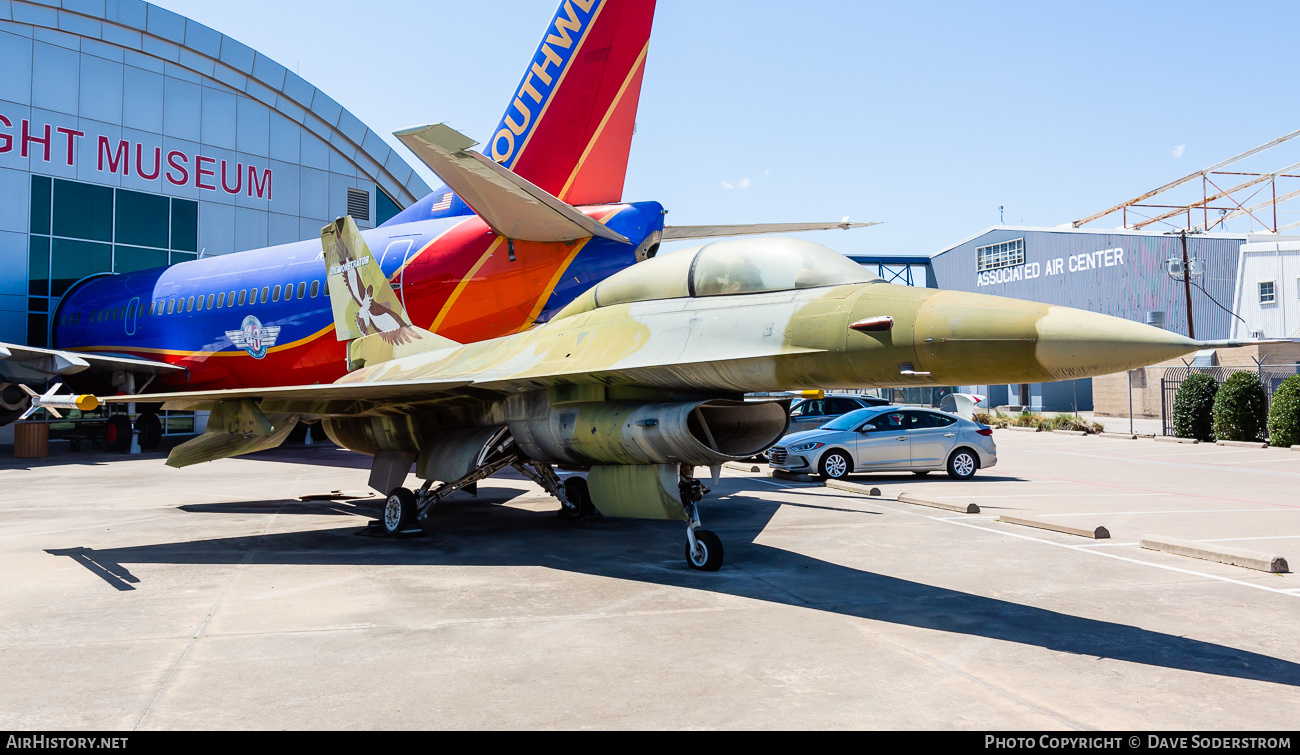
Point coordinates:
pixel 32 363
pixel 510 204
pixel 323 399
pixel 681 232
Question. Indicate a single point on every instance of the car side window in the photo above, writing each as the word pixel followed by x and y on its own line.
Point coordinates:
pixel 841 405
pixel 941 420
pixel 810 408
pixel 889 422
pixel 927 420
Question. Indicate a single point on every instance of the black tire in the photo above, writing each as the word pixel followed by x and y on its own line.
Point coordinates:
pixel 577 499
pixel 117 433
pixel 835 465
pixel 711 557
pixel 148 430
pixel 399 511
pixel 962 464
pixel 922 473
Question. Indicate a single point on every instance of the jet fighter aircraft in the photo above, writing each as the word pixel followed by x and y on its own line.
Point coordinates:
pixel 642 378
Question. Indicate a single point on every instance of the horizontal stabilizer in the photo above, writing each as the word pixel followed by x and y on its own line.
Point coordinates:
pixel 682 232
pixel 512 206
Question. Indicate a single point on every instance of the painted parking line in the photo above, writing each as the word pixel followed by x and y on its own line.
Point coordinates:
pixel 1289 592
pixel 1234 539
pixel 1186 511
pixel 1060 495
pixel 1292 457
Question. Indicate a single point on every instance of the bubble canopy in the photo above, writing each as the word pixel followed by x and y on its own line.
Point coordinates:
pixel 738 266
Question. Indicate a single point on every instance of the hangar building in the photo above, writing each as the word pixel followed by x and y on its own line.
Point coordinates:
pixel 1116 272
pixel 132 137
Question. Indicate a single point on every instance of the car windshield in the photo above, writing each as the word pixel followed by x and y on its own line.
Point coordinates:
pixel 850 420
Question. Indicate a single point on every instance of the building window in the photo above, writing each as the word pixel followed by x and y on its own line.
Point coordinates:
pixel 995 256
pixel 1266 293
pixel 78 229
pixel 385 207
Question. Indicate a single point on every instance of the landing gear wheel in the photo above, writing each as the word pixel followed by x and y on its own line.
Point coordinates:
pixel 835 466
pixel 399 511
pixel 962 464
pixel 922 473
pixel 148 429
pixel 576 503
pixel 118 433
pixel 707 555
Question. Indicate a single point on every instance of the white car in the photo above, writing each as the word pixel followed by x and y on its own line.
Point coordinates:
pixel 888 439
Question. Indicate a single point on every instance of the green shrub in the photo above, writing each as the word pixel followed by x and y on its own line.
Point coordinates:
pixel 1284 417
pixel 1071 422
pixel 1194 407
pixel 1028 419
pixel 1240 408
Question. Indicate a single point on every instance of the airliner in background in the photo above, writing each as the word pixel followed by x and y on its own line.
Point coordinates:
pixel 518 231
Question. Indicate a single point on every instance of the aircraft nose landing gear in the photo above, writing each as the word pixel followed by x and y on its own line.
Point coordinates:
pixel 703 547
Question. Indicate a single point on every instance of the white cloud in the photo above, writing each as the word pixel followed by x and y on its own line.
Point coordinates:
pixel 1178 151
pixel 744 183
pixel 726 185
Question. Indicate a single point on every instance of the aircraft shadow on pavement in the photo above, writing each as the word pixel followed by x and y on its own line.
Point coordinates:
pixel 485 533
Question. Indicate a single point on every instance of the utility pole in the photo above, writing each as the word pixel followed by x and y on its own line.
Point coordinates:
pixel 1187 287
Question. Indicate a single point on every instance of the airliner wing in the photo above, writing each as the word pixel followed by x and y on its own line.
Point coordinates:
pixel 681 232
pixel 511 205
pixel 31 363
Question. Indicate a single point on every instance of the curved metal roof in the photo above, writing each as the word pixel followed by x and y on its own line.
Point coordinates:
pixel 168 36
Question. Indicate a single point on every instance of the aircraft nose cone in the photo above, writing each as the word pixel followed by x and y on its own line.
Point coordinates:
pixel 1073 343
pixel 964 338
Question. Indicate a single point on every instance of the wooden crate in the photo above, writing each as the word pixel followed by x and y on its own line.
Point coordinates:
pixel 31 440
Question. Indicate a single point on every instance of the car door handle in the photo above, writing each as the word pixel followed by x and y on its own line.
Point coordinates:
pixel 950 435
pixel 902 437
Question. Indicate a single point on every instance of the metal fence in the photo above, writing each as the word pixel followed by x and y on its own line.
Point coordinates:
pixel 1270 375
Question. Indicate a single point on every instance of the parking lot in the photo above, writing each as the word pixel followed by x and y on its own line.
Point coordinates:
pixel 138 596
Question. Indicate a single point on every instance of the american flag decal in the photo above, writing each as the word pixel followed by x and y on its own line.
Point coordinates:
pixel 443 203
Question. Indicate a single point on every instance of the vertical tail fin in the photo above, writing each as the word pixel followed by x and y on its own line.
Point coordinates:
pixel 366 309
pixel 569 127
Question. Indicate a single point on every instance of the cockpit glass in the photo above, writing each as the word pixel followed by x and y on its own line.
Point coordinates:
pixel 748 266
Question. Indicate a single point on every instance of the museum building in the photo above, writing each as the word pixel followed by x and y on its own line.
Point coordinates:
pixel 132 137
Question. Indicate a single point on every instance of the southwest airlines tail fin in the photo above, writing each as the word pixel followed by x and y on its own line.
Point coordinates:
pixel 568 129
pixel 366 310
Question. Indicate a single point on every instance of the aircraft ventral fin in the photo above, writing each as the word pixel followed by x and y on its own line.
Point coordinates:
pixel 682 232
pixel 510 204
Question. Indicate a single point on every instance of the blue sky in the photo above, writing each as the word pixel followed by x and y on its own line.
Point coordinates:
pixel 927 116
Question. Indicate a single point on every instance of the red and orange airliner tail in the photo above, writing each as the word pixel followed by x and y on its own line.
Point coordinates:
pixel 569 128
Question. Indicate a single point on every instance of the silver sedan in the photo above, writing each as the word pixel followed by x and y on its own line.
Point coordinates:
pixel 888 439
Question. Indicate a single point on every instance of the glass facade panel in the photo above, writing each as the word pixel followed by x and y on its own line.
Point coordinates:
pixel 38 330
pixel 83 211
pixel 385 208
pixel 38 266
pixel 41 204
pixel 178 257
pixel 185 225
pixel 142 219
pixel 128 259
pixel 70 261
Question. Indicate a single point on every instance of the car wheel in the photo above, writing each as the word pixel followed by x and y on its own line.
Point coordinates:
pixel 835 465
pixel 962 464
